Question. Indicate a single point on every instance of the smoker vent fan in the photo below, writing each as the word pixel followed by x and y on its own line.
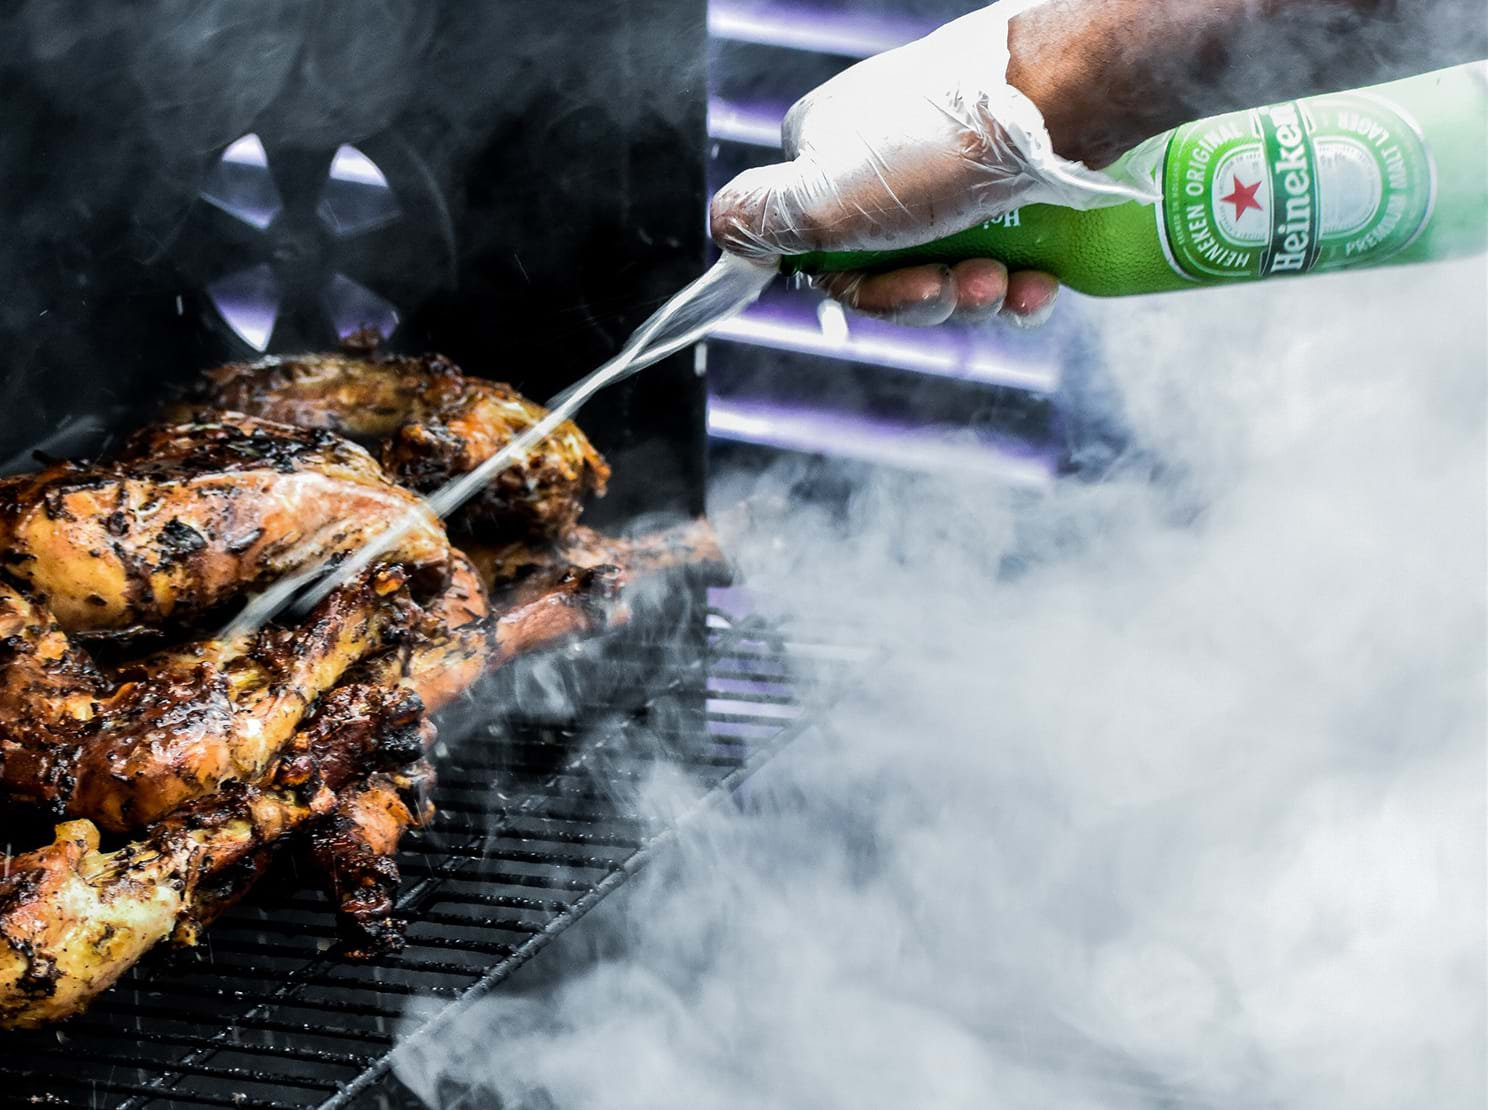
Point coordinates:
pixel 293 248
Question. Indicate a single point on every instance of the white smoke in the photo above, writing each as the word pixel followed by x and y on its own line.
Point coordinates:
pixel 1166 791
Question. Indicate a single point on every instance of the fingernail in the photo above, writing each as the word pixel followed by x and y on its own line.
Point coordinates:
pixel 932 307
pixel 979 314
pixel 1036 319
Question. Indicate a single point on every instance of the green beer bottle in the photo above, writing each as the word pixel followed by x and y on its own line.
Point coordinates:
pixel 1385 175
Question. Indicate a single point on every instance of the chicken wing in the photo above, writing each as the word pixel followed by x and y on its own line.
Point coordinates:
pixel 353 731
pixel 356 847
pixel 195 514
pixel 428 422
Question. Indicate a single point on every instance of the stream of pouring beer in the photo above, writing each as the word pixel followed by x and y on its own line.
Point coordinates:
pixel 730 285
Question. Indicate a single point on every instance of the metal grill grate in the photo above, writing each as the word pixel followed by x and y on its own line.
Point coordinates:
pixel 535 826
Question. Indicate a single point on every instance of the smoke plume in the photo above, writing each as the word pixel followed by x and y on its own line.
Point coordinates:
pixel 1159 792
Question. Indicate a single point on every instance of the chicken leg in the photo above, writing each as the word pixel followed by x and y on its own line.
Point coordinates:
pixel 194 515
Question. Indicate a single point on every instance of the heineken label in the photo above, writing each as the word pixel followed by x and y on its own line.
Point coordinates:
pixel 1294 187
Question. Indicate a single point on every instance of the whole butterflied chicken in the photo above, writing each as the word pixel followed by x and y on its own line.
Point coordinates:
pixel 428 423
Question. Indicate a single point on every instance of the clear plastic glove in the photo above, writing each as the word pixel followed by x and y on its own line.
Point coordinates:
pixel 905 147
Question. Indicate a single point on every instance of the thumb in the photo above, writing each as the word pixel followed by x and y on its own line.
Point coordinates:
pixel 772 210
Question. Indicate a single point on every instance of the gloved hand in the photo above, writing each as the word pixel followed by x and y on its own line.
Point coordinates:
pixel 905 147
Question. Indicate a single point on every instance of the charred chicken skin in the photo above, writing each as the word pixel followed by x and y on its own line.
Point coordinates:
pixel 73 918
pixel 356 846
pixel 354 728
pixel 193 515
pixel 448 647
pixel 429 423
pixel 127 749
pixel 515 569
pixel 218 754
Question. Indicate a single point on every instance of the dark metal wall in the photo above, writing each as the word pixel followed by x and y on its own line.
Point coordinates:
pixel 547 162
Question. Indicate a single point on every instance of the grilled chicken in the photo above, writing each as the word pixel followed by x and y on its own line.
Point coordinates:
pixel 368 723
pixel 575 602
pixel 449 645
pixel 354 729
pixel 358 862
pixel 232 749
pixel 73 919
pixel 355 846
pixel 428 423
pixel 445 659
pixel 513 570
pixel 457 639
pixel 193 515
pixel 127 749
pixel 43 673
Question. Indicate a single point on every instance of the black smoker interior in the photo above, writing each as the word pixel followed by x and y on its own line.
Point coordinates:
pixel 516 186
pixel 190 184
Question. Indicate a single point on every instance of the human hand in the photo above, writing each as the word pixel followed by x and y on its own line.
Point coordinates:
pixel 903 148
pixel 971 291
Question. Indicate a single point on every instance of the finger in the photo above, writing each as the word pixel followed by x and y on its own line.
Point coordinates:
pixel 806 205
pixel 787 208
pixel 981 287
pixel 747 216
pixel 1030 298
pixel 920 296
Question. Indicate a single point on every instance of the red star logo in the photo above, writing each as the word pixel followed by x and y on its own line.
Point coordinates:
pixel 1243 198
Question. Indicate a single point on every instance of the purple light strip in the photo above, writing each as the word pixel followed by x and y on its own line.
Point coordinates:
pixel 721 686
pixel 848 34
pixel 740 602
pixel 944 352
pixel 784 712
pixel 744 123
pixel 925 449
